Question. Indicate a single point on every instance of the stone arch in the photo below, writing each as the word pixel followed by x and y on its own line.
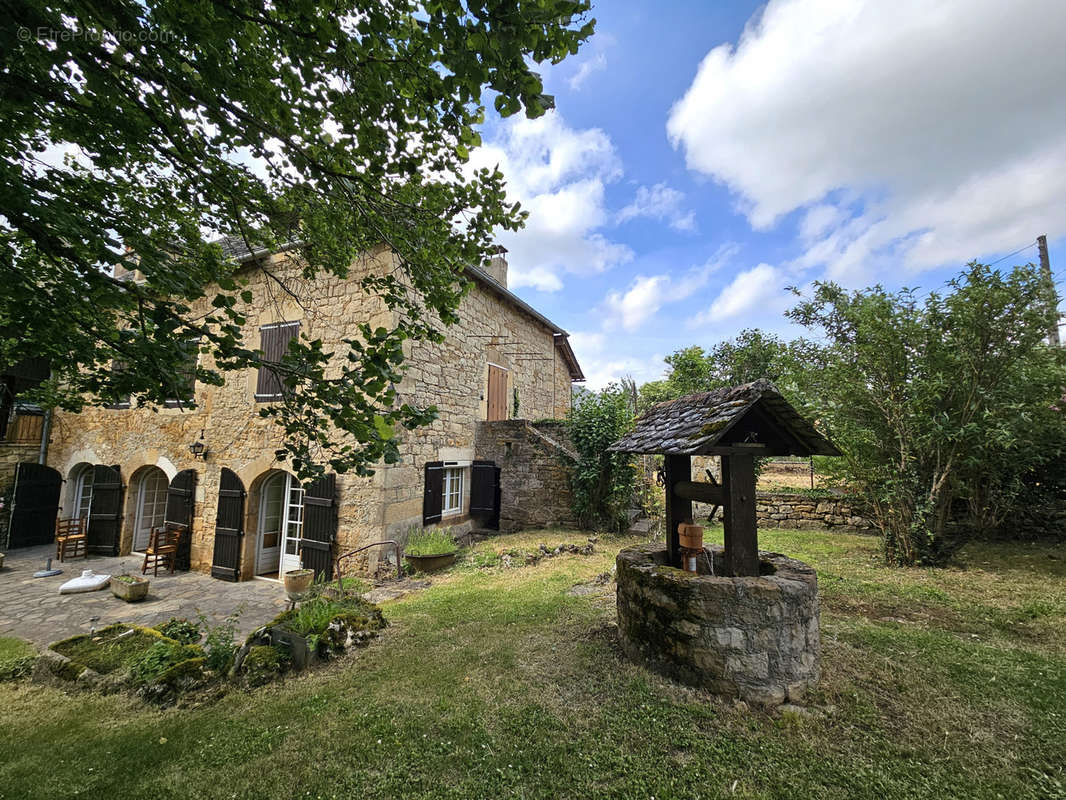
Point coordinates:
pixel 253 503
pixel 83 456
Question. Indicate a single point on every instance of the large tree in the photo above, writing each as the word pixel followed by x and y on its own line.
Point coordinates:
pixel 333 127
pixel 940 403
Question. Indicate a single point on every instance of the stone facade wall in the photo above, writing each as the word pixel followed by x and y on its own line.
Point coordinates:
pixel 534 474
pixel 751 637
pixel 451 375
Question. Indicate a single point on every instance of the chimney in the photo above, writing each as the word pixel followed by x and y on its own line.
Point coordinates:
pixel 497 267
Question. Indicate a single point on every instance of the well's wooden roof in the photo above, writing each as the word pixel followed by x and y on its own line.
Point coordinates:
pixel 750 413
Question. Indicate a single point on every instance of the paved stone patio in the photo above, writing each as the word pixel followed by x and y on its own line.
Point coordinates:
pixel 33 608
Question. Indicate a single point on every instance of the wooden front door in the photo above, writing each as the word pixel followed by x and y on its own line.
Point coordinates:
pixel 229 527
pixel 497 394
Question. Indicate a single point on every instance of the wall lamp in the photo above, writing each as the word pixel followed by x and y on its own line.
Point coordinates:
pixel 198 448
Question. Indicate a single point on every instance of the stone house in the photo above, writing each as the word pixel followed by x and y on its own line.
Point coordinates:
pixel 213 466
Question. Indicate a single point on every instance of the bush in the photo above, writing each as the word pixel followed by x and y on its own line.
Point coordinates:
pixel 156 661
pixel 602 482
pixel 180 630
pixel 219 642
pixel 430 542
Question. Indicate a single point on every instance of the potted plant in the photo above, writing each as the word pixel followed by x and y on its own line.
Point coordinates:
pixel 131 588
pixel 297 582
pixel 429 551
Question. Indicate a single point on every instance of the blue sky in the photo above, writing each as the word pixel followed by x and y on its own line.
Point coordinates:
pixel 704 156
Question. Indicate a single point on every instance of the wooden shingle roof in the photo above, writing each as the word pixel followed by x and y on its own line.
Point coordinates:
pixel 697 424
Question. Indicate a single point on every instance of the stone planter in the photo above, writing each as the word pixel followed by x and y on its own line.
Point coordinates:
pixel 130 592
pixel 297 582
pixel 752 637
pixel 431 563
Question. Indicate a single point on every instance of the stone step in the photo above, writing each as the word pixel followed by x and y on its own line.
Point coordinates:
pixel 641 527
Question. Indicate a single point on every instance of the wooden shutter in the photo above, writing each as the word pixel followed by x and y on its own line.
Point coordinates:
pixel 229 527
pixel 105 511
pixel 433 498
pixel 181 496
pixel 320 526
pixel 485 493
pixel 497 394
pixel 274 343
pixel 34 506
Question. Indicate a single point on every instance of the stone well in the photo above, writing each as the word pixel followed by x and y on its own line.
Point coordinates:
pixel 750 637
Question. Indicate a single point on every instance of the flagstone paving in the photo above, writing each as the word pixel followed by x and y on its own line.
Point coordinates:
pixel 33 608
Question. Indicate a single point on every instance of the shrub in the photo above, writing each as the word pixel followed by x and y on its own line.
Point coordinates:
pixel 219 643
pixel 430 542
pixel 602 482
pixel 155 661
pixel 180 630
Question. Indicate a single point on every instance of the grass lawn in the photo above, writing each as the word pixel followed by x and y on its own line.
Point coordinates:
pixel 498 683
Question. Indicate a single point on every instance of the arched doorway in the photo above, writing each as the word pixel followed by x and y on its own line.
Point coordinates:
pixel 80 497
pixel 279 524
pixel 150 486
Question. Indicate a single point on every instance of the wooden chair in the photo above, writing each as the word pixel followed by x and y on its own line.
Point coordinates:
pixel 71 538
pixel 162 547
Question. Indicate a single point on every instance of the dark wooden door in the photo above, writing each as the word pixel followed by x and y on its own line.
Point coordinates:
pixel 497 394
pixel 34 506
pixel 320 526
pixel 229 527
pixel 105 511
pixel 485 494
pixel 181 497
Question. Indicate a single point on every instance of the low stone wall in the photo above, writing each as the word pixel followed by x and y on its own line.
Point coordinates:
pixel 751 637
pixel 534 463
pixel 797 511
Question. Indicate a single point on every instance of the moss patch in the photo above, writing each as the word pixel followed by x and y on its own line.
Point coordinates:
pixel 109 651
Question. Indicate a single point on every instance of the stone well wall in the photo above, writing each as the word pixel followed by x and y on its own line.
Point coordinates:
pixel 751 637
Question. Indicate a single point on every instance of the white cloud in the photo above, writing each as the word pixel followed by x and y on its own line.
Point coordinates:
pixel 602 367
pixel 754 291
pixel 647 294
pixel 660 202
pixel 913 133
pixel 559 174
pixel 590 66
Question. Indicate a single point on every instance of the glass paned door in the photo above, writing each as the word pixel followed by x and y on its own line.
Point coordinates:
pixel 271 521
pixel 294 523
pixel 151 506
pixel 84 497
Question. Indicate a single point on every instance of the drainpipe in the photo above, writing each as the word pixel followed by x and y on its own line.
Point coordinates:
pixel 46 431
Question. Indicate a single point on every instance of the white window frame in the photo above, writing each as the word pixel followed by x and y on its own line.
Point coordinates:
pixel 452 490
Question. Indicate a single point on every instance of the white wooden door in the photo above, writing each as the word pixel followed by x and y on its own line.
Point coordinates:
pixel 294 523
pixel 271 522
pixel 151 507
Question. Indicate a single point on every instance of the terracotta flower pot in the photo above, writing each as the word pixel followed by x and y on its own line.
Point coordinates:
pixel 691 536
pixel 297 582
pixel 132 590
